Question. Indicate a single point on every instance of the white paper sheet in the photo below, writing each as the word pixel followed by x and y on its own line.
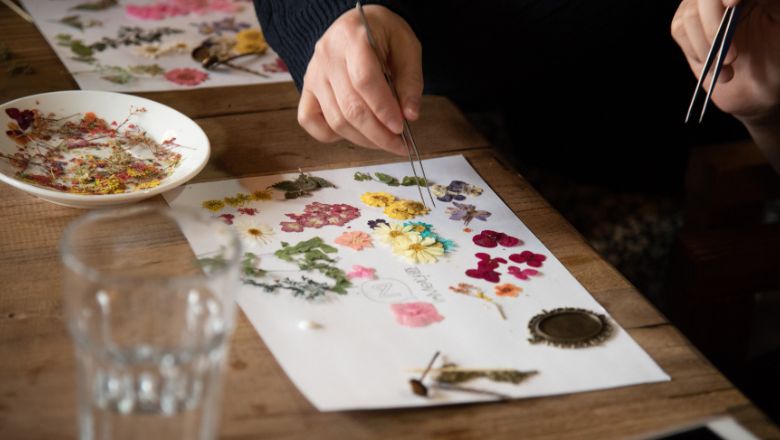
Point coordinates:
pixel 361 357
pixel 49 13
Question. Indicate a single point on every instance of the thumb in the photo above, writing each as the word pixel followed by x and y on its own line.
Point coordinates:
pixel 405 64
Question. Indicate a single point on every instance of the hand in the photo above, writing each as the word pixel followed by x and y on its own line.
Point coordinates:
pixel 749 84
pixel 345 95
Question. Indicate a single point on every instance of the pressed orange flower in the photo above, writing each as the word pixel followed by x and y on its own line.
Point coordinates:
pixel 508 289
pixel 356 240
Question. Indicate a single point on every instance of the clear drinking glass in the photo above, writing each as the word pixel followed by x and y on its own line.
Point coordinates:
pixel 150 324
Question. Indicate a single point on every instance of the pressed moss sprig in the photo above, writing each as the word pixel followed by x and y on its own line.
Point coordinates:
pixel 312 255
pixel 305 287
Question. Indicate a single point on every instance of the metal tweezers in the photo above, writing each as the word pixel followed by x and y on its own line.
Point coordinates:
pixel 721 42
pixel 406 136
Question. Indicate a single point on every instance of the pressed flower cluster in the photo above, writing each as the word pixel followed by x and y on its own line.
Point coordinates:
pixel 491 239
pixel 317 215
pixel 398 209
pixel 164 9
pixel 456 190
pixel 85 154
pixel 486 266
pixel 415 241
pixel 416 314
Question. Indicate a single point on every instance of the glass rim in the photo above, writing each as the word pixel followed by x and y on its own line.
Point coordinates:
pixel 77 265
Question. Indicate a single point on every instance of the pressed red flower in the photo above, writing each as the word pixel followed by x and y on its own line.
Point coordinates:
pixel 248 211
pixel 227 218
pixel 529 258
pixel 491 239
pixel 523 274
pixel 186 76
pixel 486 268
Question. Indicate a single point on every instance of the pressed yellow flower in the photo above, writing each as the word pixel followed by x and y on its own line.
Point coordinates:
pixel 419 250
pixel 391 234
pixel 379 199
pixel 263 194
pixel 250 41
pixel 110 185
pixel 239 200
pixel 405 209
pixel 213 205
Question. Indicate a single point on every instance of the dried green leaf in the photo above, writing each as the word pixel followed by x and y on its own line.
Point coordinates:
pixel 249 266
pixel 385 178
pixel 98 5
pixel 322 183
pixel 361 177
pixel 286 185
pixel 411 181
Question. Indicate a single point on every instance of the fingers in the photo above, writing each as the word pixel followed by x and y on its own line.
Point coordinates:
pixel 406 68
pixel 312 120
pixel 368 80
pixel 694 30
pixel 357 114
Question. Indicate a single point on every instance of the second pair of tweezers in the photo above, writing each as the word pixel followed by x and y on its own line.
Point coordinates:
pixel 720 44
pixel 406 136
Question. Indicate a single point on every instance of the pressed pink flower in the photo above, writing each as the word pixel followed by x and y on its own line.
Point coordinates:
pixel 317 215
pixel 359 271
pixel 291 227
pixel 186 76
pixel 416 314
pixel 356 240
pixel 523 274
pixel 529 258
pixel 277 66
pixel 227 218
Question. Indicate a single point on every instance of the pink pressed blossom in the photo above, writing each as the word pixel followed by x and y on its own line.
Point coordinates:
pixel 528 257
pixel 173 8
pixel 491 239
pixel 227 218
pixel 317 215
pixel 291 226
pixel 277 66
pixel 248 211
pixel 356 240
pixel 359 271
pixel 523 274
pixel 186 76
pixel 416 314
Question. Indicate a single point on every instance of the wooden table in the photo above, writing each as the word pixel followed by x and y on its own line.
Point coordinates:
pixel 253 131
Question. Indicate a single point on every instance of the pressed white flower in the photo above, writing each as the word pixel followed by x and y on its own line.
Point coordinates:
pixel 394 233
pixel 419 250
pixel 253 232
pixel 151 50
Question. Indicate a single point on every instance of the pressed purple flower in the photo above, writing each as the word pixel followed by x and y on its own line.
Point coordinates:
pixel 466 213
pixel 373 224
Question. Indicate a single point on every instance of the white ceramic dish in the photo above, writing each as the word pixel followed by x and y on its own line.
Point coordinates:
pixel 159 121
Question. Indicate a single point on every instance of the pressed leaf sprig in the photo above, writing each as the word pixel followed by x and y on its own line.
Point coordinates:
pixel 305 287
pixel 302 186
pixel 390 180
pixel 451 374
pixel 85 154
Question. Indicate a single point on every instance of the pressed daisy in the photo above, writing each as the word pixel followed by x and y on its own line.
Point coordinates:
pixel 405 209
pixel 213 205
pixel 391 234
pixel 357 240
pixel 263 194
pixel 419 250
pixel 508 289
pixel 151 50
pixel 378 199
pixel 253 232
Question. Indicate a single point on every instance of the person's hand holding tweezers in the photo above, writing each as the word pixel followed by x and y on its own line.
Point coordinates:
pixel 749 83
pixel 345 94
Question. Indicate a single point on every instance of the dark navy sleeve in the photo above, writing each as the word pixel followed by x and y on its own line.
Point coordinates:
pixel 292 27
